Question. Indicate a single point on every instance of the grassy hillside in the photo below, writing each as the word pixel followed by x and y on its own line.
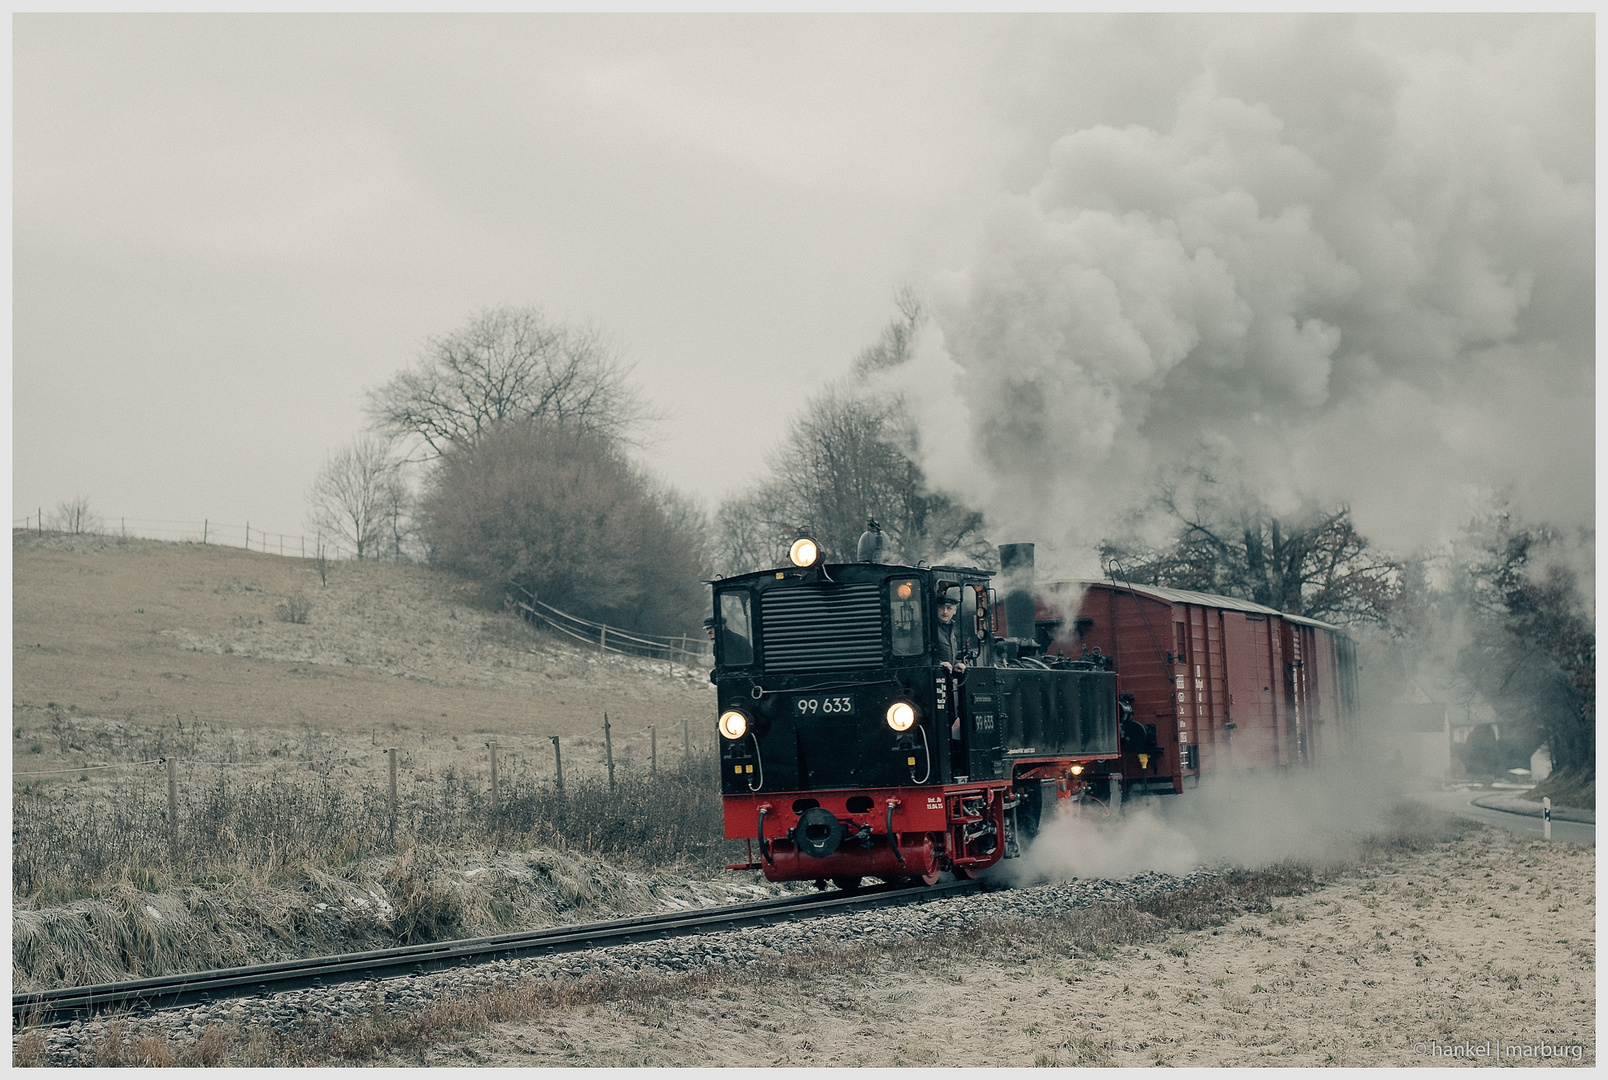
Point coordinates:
pixel 120 644
pixel 125 651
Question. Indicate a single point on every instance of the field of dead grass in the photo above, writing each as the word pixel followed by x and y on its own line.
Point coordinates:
pixel 1436 934
pixel 127 651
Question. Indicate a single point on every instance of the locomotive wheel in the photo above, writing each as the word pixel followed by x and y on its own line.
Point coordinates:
pixel 847 884
pixel 960 873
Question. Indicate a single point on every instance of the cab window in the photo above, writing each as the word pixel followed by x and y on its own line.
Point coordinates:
pixel 907 620
pixel 736 635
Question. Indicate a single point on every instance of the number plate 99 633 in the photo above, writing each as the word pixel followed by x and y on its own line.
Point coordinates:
pixel 824 705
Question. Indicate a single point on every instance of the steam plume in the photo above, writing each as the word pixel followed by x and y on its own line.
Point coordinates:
pixel 1360 269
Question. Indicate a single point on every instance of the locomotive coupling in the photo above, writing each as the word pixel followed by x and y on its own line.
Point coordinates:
pixel 818 832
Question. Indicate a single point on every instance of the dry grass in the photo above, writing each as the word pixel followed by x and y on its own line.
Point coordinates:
pixel 1092 932
pixel 65 846
pixel 134 650
pixel 276 870
pixel 1578 789
pixel 1083 931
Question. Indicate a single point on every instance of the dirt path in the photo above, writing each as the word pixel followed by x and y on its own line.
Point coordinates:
pixel 1490 944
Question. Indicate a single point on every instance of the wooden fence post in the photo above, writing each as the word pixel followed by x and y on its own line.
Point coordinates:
pixel 204 523
pixel 390 802
pixel 496 798
pixel 248 536
pixel 608 750
pixel 686 739
pixel 653 751
pixel 603 640
pixel 173 812
pixel 558 764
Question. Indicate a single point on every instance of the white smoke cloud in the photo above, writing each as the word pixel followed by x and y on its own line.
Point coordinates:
pixel 1245 820
pixel 1351 262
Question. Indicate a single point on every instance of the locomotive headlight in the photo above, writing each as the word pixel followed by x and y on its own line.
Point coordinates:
pixel 804 552
pixel 733 724
pixel 901 716
pixel 1077 770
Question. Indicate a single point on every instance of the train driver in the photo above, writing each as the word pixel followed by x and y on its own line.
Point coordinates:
pixel 949 646
pixel 949 639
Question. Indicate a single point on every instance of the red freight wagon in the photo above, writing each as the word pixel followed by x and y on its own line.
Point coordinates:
pixel 1214 684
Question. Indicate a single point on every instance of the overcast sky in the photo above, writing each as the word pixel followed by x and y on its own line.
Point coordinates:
pixel 227 228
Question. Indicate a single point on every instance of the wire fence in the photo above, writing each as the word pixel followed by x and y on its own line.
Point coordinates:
pixel 682 648
pixel 204 531
pixel 188 814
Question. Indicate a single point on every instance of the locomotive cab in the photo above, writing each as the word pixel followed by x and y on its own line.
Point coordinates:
pixel 848 748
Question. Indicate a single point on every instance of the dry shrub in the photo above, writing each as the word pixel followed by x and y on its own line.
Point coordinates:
pixel 428 907
pixel 211 1049
pixel 28 1050
pixel 561 512
pixel 294 610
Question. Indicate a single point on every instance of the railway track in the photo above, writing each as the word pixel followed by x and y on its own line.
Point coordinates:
pixel 56 1007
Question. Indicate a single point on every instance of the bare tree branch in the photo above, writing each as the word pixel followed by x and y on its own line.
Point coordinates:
pixel 509 364
pixel 359 498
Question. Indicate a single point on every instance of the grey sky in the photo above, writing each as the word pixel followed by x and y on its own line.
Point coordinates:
pixel 226 228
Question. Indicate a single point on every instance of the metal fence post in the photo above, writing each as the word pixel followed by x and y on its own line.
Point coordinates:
pixel 608 750
pixel 653 751
pixel 496 798
pixel 173 812
pixel 603 640
pixel 390 802
pixel 558 764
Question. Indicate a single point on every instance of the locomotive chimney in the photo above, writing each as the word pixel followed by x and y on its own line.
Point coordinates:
pixel 1016 574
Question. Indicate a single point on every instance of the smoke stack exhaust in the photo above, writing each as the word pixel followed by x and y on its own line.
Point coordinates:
pixel 1016 574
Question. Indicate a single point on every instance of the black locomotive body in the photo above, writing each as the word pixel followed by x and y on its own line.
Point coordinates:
pixel 850 749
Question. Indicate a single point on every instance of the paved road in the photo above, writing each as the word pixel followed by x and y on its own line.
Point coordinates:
pixel 1462 804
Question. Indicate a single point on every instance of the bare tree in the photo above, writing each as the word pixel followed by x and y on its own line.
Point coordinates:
pixel 508 363
pixel 359 496
pixel 75 516
pixel 1229 544
pixel 1530 647
pixel 852 456
pixel 321 559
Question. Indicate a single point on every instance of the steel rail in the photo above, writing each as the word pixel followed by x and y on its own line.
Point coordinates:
pixel 62 1006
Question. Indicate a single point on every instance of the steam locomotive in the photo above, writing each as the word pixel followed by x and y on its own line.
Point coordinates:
pixel 853 746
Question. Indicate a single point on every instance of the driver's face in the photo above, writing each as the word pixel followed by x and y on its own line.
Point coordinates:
pixel 946 613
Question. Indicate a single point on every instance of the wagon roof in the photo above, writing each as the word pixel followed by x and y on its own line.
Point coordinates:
pixel 1230 603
